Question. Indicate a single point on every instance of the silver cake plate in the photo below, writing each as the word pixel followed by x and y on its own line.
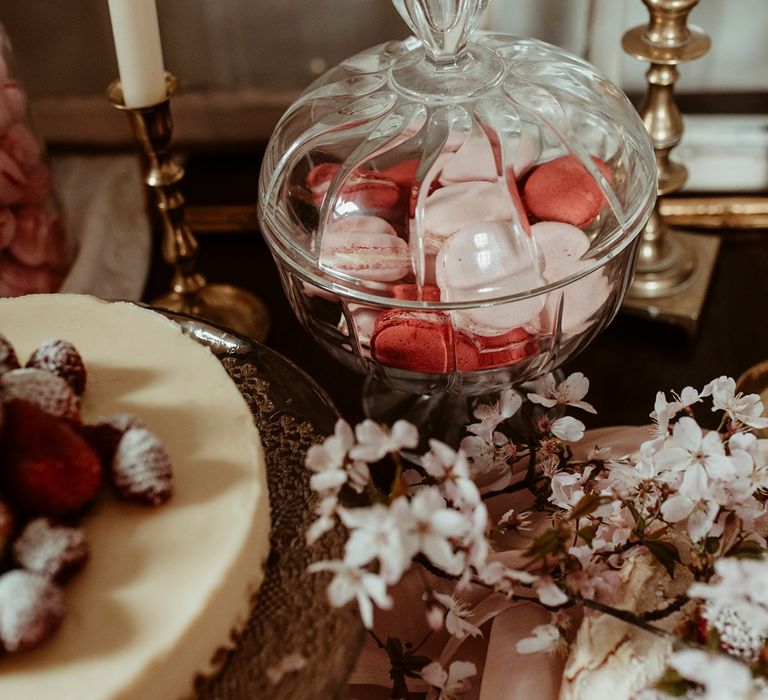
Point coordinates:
pixel 291 614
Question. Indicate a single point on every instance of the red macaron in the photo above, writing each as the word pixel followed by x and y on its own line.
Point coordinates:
pixel 422 342
pixel 563 190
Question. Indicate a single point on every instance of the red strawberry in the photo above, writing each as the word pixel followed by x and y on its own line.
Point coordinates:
pixel 49 469
pixel 7 525
pixel 8 359
pixel 61 358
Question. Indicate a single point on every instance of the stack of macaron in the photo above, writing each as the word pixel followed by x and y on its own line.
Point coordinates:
pixel 481 237
pixel 34 253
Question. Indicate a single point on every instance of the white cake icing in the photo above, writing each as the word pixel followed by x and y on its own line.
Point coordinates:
pixel 166 586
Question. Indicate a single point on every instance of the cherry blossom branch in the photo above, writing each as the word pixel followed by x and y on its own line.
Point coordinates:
pixel 672 607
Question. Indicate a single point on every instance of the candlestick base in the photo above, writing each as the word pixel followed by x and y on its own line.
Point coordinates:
pixel 683 306
pixel 224 305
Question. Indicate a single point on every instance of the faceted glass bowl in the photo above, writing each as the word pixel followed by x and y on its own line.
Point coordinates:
pixel 462 227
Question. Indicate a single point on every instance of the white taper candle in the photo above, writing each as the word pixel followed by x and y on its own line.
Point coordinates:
pixel 139 54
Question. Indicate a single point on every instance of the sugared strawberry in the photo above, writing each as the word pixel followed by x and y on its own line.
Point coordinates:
pixel 49 469
pixel 31 609
pixel 105 433
pixel 738 636
pixel 55 552
pixel 7 525
pixel 47 391
pixel 61 358
pixel 141 468
pixel 8 359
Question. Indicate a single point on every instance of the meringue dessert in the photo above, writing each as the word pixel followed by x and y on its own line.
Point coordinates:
pixel 165 588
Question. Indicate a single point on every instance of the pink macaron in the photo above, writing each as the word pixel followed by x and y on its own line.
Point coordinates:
pixel 365 248
pixel 563 246
pixel 484 261
pixel 453 207
pixel 13 180
pixel 7 226
pixel 563 190
pixel 39 239
pixel 26 279
pixel 22 145
pixel 475 160
pixel 366 190
pixel 39 186
pixel 14 99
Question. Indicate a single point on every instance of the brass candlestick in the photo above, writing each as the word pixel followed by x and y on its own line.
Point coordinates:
pixel 674 268
pixel 220 303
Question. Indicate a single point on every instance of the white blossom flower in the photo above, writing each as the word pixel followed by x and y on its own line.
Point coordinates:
pixel 325 511
pixel 457 612
pixel 548 592
pixel 495 573
pixel 491 415
pixel 700 457
pixel 476 540
pixel 358 475
pixel 545 638
pixel 700 515
pixel 744 409
pixel 567 488
pixel 515 520
pixel 723 678
pixel 431 526
pixel 327 459
pixel 663 412
pixel 351 583
pixel 599 453
pixel 451 470
pixel 569 392
pixel 375 442
pixel 568 429
pixel 597 581
pixel 490 461
pixel 741 584
pixel 450 684
pixel 376 533
pixel 749 460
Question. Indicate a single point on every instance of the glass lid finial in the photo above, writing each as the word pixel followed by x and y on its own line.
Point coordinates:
pixel 442 26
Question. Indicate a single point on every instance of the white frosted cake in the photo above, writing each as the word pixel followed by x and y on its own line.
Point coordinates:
pixel 165 587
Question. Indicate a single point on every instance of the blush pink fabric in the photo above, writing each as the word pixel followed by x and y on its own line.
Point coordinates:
pixel 502 673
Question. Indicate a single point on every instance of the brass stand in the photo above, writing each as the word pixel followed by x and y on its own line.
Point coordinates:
pixel 674 268
pixel 220 303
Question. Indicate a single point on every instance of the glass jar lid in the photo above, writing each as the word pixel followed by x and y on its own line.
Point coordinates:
pixel 456 168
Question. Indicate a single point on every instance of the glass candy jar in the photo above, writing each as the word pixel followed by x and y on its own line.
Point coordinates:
pixel 35 252
pixel 458 212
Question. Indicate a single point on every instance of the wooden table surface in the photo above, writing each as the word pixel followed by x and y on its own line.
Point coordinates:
pixel 626 364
